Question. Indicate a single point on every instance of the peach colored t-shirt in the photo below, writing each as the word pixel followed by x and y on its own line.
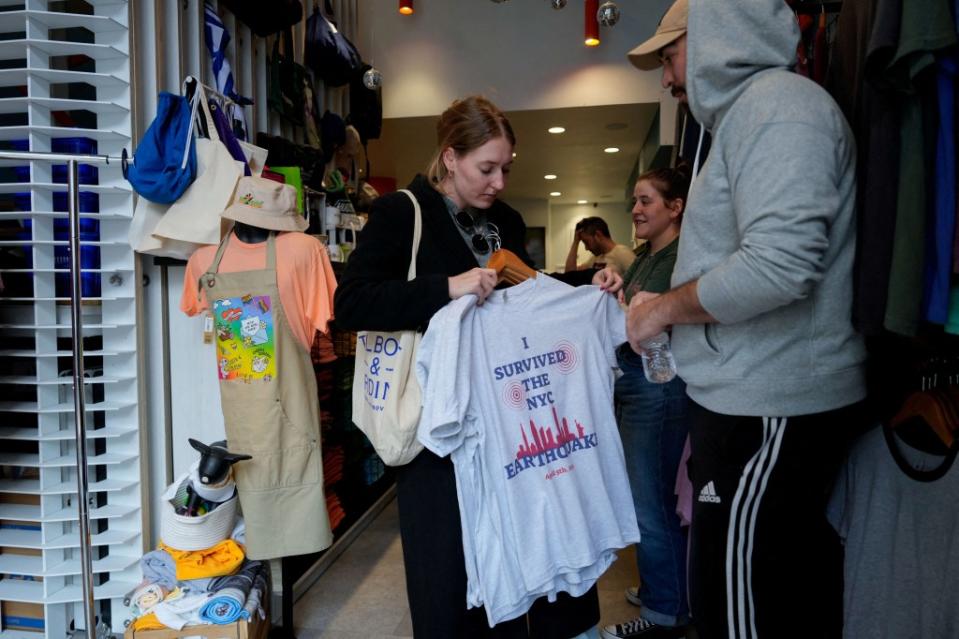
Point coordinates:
pixel 303 272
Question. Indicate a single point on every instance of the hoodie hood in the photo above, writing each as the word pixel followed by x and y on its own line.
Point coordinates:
pixel 729 42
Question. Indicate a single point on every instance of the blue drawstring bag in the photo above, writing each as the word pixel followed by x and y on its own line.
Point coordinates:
pixel 164 164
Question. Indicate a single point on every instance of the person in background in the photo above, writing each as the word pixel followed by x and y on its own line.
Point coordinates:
pixel 653 423
pixel 760 307
pixel 463 223
pixel 593 232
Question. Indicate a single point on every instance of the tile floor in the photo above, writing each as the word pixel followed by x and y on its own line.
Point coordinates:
pixel 363 594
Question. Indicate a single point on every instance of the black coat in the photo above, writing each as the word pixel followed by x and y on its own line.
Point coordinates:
pixel 373 293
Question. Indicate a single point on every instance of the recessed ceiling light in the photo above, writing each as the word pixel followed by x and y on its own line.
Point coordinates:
pixel 611 149
pixel 556 129
pixel 514 154
pixel 555 194
pixel 549 176
pixel 582 201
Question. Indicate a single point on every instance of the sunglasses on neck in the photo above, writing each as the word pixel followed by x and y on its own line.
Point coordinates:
pixel 466 222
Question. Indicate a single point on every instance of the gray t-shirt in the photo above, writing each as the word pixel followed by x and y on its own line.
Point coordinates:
pixel 519 391
pixel 899 520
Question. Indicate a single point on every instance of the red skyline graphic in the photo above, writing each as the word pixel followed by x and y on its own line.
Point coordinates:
pixel 544 438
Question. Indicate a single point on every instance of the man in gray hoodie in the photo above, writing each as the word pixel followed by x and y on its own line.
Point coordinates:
pixel 760 312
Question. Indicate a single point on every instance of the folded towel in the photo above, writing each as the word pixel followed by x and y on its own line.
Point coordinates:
pixel 254 603
pixel 158 568
pixel 226 606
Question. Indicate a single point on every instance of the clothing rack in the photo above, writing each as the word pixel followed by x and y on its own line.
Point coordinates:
pixel 209 91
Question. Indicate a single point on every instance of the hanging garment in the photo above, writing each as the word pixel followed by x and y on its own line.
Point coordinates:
pixel 519 392
pixel 895 509
pixel 270 410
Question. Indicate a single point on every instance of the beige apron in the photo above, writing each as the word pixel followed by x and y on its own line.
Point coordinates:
pixel 271 411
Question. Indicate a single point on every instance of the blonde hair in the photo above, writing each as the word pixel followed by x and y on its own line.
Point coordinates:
pixel 467 125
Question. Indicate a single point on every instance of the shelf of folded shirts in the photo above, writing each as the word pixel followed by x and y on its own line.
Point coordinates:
pixel 33 380
pixel 11 20
pixel 32 487
pixel 33 539
pixel 34 409
pixel 33 435
pixel 32 513
pixel 28 591
pixel 22 104
pixel 32 460
pixel 100 135
pixel 32 565
pixel 15 77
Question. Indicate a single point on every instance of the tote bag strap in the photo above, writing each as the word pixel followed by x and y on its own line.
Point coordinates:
pixel 417 233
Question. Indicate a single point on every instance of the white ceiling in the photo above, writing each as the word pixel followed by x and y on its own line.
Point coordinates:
pixel 584 170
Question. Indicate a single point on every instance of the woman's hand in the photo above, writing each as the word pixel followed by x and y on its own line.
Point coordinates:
pixel 478 281
pixel 608 280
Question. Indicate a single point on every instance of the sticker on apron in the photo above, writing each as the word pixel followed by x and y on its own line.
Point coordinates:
pixel 245 346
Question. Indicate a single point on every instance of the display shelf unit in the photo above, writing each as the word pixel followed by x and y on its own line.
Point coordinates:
pixel 66 88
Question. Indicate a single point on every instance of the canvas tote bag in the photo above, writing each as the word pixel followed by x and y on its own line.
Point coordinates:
pixel 195 217
pixel 386 394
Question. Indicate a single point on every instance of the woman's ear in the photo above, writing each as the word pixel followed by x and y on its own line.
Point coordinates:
pixel 449 159
pixel 676 207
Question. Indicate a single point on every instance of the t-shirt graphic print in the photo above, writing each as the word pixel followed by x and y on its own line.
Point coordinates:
pixel 519 392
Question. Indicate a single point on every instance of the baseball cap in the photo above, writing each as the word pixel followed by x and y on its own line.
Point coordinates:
pixel 670 29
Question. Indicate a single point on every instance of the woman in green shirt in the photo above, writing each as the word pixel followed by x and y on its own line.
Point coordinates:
pixel 652 423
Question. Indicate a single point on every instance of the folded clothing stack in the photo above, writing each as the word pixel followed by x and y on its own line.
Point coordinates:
pixel 236 596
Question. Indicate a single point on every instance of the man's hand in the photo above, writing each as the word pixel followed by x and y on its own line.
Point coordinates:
pixel 608 280
pixel 478 281
pixel 642 321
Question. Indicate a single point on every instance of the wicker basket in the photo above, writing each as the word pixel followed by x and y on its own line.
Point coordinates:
pixel 344 343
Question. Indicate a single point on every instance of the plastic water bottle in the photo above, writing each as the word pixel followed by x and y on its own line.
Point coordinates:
pixel 658 363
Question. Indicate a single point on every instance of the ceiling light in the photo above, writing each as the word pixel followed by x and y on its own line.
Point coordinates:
pixel 591 28
pixel 514 154
pixel 406 7
pixel 582 201
pixel 556 129
pixel 555 193
pixel 611 149
pixel 549 176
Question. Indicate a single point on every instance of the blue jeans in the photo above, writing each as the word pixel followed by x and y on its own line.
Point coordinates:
pixel 653 424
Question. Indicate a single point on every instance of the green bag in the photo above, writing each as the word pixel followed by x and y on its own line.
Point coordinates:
pixel 295 179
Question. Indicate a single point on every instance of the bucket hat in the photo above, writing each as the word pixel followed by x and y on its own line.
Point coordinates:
pixel 265 204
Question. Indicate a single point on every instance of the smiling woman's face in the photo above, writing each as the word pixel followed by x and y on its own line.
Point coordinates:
pixel 652 215
pixel 477 177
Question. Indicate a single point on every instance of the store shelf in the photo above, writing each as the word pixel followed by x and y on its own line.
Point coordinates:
pixel 29 380
pixel 100 135
pixel 33 408
pixel 32 460
pixel 33 435
pixel 20 634
pixel 26 591
pixel 18 77
pixel 35 354
pixel 32 566
pixel 15 20
pixel 23 215
pixel 22 105
pixel 32 539
pixel 120 188
pixel 61 327
pixel 31 513
pixel 15 49
pixel 32 486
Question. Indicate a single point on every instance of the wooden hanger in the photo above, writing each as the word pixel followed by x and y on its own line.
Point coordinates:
pixel 926 406
pixel 509 268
